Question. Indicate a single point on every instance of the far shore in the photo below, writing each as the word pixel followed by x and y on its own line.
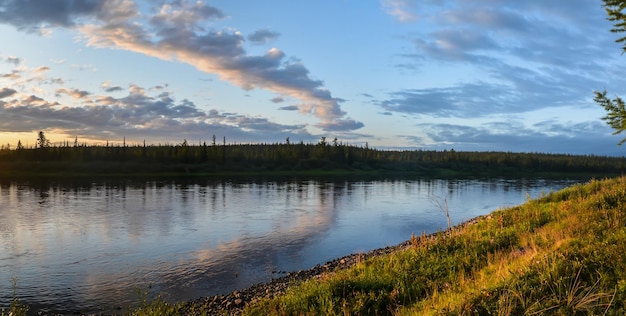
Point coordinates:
pixel 7 174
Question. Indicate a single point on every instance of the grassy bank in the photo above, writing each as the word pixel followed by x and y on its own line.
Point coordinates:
pixel 563 254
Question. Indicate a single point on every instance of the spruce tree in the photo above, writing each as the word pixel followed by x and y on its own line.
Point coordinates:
pixel 616 111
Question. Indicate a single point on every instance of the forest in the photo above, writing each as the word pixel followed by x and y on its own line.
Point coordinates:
pixel 219 158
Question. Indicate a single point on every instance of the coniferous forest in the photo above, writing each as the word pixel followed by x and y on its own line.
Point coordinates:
pixel 324 157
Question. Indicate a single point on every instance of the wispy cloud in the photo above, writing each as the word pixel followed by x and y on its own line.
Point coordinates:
pixel 289 108
pixel 22 77
pixel 263 36
pixel 13 60
pixel 403 10
pixel 110 88
pixel 13 75
pixel 466 100
pixel 74 93
pixel 500 136
pixel 515 70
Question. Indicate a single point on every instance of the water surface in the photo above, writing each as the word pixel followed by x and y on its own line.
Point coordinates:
pixel 88 246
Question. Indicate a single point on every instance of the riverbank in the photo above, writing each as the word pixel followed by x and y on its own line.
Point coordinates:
pixel 8 174
pixel 564 253
pixel 235 302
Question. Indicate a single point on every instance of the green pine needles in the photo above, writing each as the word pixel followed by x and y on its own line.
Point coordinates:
pixel 614 10
pixel 616 112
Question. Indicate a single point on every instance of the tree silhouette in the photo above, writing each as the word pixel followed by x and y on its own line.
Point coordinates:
pixel 42 141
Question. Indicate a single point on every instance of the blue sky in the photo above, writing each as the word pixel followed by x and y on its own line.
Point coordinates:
pixel 482 75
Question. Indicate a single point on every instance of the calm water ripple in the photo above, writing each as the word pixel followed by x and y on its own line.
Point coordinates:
pixel 87 247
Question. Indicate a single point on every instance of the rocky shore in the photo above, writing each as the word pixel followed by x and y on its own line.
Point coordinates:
pixel 233 303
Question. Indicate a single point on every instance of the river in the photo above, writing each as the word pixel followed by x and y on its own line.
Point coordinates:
pixel 90 246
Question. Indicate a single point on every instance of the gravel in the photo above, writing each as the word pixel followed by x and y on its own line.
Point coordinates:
pixel 233 303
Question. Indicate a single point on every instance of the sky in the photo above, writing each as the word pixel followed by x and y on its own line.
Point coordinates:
pixel 481 75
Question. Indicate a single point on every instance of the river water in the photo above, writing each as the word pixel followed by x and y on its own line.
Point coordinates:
pixel 90 246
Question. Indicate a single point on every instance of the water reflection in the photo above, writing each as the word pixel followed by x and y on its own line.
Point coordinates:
pixel 89 245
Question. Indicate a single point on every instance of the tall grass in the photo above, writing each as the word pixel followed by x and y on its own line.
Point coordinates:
pixel 16 308
pixel 564 254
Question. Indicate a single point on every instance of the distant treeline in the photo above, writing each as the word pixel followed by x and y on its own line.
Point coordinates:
pixel 324 156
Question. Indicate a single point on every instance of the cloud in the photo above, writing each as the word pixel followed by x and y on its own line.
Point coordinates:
pixel 58 81
pixel 114 89
pixel 263 36
pixel 518 56
pixel 34 15
pixel 23 77
pixel 6 92
pixel 138 115
pixel 84 67
pixel 178 31
pixel 341 125
pixel 74 93
pixel 512 27
pixel 547 137
pixel 465 100
pixel 222 53
pixel 41 69
pixel 494 17
pixel 13 60
pixel 184 16
pixel 403 10
pixel 456 43
pixel 277 100
pixel 289 108
pixel 109 88
pixel 13 75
